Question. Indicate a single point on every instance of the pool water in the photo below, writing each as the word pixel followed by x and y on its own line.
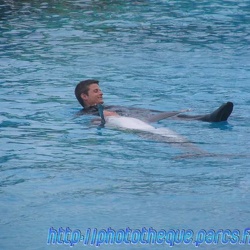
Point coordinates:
pixel 57 170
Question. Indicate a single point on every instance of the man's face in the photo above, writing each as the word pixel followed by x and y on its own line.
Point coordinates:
pixel 94 95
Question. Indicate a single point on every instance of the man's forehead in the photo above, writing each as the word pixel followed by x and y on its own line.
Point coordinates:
pixel 94 86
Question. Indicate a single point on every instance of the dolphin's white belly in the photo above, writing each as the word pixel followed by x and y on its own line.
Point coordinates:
pixel 130 123
pixel 123 122
pixel 169 134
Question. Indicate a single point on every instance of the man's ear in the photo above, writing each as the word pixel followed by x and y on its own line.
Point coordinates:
pixel 84 96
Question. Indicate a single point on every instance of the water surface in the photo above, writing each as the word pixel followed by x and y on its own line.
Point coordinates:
pixel 57 170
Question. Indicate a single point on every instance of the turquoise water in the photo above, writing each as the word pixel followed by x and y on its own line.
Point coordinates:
pixel 59 171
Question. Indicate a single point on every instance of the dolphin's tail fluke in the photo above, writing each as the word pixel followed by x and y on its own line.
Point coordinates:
pixel 221 114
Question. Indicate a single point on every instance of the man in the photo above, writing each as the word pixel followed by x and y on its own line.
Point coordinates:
pixel 89 95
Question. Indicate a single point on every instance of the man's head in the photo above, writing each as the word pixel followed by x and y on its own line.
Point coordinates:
pixel 88 93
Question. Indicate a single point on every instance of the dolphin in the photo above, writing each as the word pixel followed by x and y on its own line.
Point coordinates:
pixel 145 129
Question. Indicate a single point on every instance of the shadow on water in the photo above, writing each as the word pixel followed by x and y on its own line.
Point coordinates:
pixel 220 125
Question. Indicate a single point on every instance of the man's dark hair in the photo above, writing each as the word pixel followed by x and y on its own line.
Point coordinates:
pixel 83 88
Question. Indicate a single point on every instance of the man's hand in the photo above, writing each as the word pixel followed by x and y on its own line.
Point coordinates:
pixel 110 113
